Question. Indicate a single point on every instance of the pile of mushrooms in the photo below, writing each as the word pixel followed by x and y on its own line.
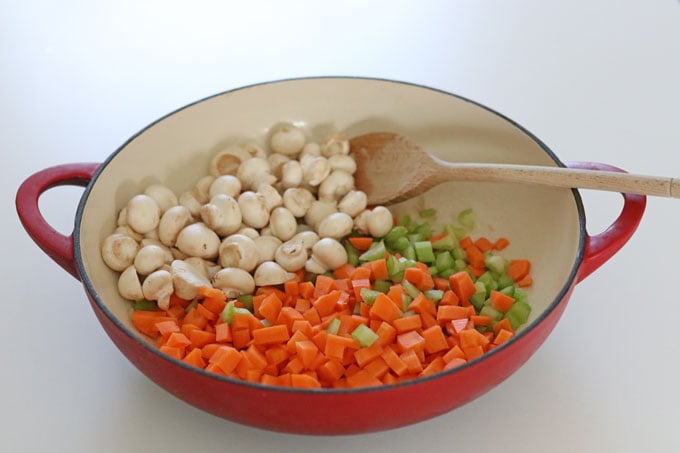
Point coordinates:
pixel 255 219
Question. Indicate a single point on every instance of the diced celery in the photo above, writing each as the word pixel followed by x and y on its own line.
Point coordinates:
pixel 434 294
pixel 228 313
pixel 433 271
pixel 424 230
pixel 415 237
pixel 495 263
pixel 381 285
pixel 407 222
pixel 447 272
pixel 518 314
pixel 405 302
pixel 458 253
pixel 145 305
pixel 397 231
pixel 424 252
pixel 393 265
pixel 364 335
pixel 488 310
pixel 398 244
pixel 246 300
pixel 397 277
pixel 410 289
pixel 333 326
pixel 447 242
pixel 479 297
pixel 444 261
pixel 457 232
pixel 467 218
pixel 406 262
pixel 520 295
pixel 409 253
pixel 430 212
pixel 509 291
pixel 489 283
pixel 368 295
pixel 505 281
pixel 352 253
pixel 376 252
pixel 459 265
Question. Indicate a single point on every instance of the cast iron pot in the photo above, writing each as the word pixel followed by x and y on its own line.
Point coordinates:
pixel 546 225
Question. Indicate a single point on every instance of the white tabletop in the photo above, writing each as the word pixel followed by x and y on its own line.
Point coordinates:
pixel 595 80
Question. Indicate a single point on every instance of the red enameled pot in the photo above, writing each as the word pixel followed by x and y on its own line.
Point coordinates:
pixel 546 225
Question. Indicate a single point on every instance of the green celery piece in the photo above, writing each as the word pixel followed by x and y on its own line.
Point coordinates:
pixel 368 295
pixel 520 295
pixel 430 212
pixel 505 281
pixel 433 271
pixel 479 297
pixel 406 262
pixel 488 310
pixel 382 286
pixel 333 326
pixel 228 313
pixel 406 221
pixel 364 335
pixel 467 218
pixel 352 253
pixel 145 305
pixel 446 273
pixel 495 263
pixel 508 291
pixel 409 253
pixel 246 300
pixel 398 244
pixel 393 265
pixel 518 314
pixel 425 230
pixel 459 265
pixel 376 252
pixel 410 289
pixel 434 294
pixel 458 233
pixel 424 252
pixel 415 237
pixel 444 260
pixel 405 302
pixel 397 231
pixel 458 253
pixel 397 277
pixel 447 242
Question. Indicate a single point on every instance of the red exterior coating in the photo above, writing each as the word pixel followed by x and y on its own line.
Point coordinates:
pixel 319 412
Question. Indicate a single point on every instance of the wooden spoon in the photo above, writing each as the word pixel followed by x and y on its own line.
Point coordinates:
pixel 391 168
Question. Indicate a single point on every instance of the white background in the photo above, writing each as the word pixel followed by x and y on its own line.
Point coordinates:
pixel 595 80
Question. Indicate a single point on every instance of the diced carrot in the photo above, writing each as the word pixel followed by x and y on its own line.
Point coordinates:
pixel 223 333
pixel 173 351
pixel 435 340
pixel 435 366
pixel 269 335
pixel 441 284
pixel 270 307
pixel 501 301
pixel 324 285
pixel 503 324
pixel 145 321
pixel 454 353
pixel 421 304
pixel 407 323
pixel 501 243
pixel 303 381
pixel 386 333
pixel 200 338
pixel 377 368
pixel 207 314
pixel 466 242
pixel 226 358
pixel 330 371
pixel 449 298
pixel 326 303
pixel 483 244
pixel 480 320
pixel 383 308
pixel 410 340
pixel 447 313
pixel 194 358
pixel 361 243
pixel 167 327
pixel 475 256
pixel 344 271
pixel 518 269
pixel 394 362
pixel 413 363
pixel 502 336
pixel 462 285
pixel 335 346
pixel 363 378
pixel 454 363
pixel 525 281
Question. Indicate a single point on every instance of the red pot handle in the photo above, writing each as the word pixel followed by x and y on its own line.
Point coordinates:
pixel 600 247
pixel 57 246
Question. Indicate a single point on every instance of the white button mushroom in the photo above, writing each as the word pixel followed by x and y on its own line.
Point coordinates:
pixel 310 149
pixel 149 258
pixel 172 222
pixel 298 200
pixel 276 162
pixel 291 255
pixel 143 213
pixel 318 211
pixel 222 214
pixel 353 203
pixel 254 171
pixel 379 221
pixel 253 209
pixel 234 282
pixel 308 238
pixel 187 279
pixel 361 221
pixel 266 247
pixel 315 170
pixel 121 220
pixel 119 251
pixel 198 240
pixel 239 251
pixel 158 286
pixel 282 224
pixel 334 144
pixel 271 273
pixel 329 253
pixel 272 197
pixel 336 226
pixel 205 267
pixel 129 285
pixel 255 150
pixel 227 160
pixel 291 175
pixel 164 197
pixel 225 185
pixel 288 140
pixel 343 162
pixel 252 233
pixel 127 231
pixel 336 185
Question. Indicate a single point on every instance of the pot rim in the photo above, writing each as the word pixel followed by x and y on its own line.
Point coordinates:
pixel 559 298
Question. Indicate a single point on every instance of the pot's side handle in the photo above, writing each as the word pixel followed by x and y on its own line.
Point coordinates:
pixel 57 246
pixel 600 247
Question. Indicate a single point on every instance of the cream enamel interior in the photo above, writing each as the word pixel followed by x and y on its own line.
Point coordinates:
pixel 541 223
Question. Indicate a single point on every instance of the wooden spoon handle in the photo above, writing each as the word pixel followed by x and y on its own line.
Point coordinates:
pixel 560 177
